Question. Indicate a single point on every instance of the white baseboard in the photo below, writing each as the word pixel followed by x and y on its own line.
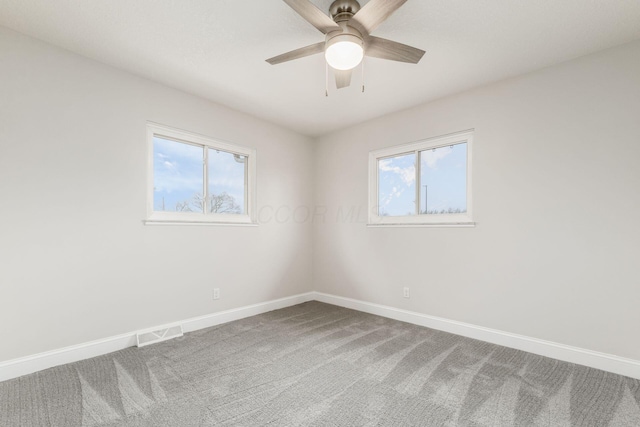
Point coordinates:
pixel 580 356
pixel 607 362
pixel 221 317
pixel 37 362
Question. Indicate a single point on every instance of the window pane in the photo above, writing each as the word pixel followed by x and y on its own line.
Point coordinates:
pixel 227 182
pixel 177 176
pixel 443 180
pixel 397 185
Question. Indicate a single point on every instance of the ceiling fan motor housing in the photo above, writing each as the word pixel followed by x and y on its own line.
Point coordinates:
pixel 347 34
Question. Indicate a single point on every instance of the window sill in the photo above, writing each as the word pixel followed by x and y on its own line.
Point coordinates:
pixel 168 222
pixel 429 225
pixel 192 218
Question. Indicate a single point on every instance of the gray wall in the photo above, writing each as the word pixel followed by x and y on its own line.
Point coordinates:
pixel 555 253
pixel 77 262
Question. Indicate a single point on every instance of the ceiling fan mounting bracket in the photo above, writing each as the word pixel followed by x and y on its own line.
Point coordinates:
pixel 343 10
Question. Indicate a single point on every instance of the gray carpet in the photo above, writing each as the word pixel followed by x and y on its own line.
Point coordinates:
pixel 319 365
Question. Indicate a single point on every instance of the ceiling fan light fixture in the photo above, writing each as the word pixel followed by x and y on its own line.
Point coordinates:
pixel 344 52
pixel 346 31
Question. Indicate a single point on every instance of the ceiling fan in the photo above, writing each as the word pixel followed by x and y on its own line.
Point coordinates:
pixel 348 36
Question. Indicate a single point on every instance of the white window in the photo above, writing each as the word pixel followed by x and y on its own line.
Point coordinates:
pixel 195 179
pixel 423 183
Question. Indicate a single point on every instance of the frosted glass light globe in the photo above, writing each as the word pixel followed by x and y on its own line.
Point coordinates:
pixel 344 52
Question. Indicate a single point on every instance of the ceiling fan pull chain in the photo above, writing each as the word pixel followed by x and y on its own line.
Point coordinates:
pixel 326 79
pixel 362 75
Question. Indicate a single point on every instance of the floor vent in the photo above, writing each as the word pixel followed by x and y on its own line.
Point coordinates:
pixel 158 335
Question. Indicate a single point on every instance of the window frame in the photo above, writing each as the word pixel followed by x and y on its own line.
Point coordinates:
pixel 205 142
pixel 429 220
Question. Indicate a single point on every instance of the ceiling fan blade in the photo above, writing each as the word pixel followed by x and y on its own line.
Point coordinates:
pixel 298 53
pixel 343 78
pixel 387 49
pixel 313 15
pixel 373 14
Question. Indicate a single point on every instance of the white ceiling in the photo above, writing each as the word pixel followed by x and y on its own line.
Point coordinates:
pixel 216 48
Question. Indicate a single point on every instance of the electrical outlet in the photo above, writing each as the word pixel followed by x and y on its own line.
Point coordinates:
pixel 405 292
pixel 216 293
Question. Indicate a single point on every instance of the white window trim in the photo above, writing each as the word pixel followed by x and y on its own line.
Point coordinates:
pixel 195 218
pixel 445 220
